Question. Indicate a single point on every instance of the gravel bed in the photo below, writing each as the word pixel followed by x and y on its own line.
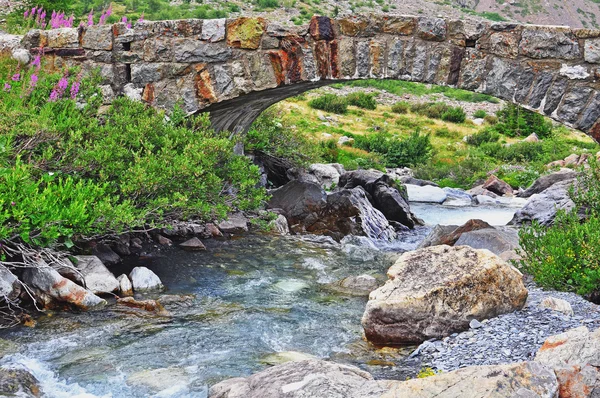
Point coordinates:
pixel 511 337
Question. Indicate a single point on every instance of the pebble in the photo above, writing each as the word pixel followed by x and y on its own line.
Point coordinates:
pixel 510 337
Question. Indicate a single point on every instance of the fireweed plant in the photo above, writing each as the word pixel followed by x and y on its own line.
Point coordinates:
pixel 36 18
pixel 69 171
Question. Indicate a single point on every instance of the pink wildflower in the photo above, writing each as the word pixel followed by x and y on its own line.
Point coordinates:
pixel 37 61
pixel 75 89
pixel 16 77
pixel 26 14
pixel 7 87
pixel 90 21
pixel 34 80
pixel 141 18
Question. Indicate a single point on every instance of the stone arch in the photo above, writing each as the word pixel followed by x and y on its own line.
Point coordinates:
pixel 235 68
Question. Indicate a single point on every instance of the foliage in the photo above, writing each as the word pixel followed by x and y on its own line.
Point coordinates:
pixel 72 172
pixel 462 173
pixel 401 107
pixel 411 151
pixel 566 255
pixel 479 114
pixel 271 135
pixel 427 372
pixel 514 121
pixel 483 136
pixel 330 103
pixel 362 100
pixel 454 115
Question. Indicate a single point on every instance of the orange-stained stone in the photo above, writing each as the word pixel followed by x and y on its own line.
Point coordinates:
pixel 203 85
pixel 148 94
pixel 321 28
pixel 245 32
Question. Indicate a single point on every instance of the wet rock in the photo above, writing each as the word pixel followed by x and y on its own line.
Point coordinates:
pixel 235 224
pixel 310 378
pixel 144 279
pixel 543 206
pixel 125 286
pixel 545 182
pixel 10 288
pixel 496 240
pixel 418 182
pixel 298 200
pixel 280 225
pixel 96 276
pixel 51 290
pixel 510 201
pixel 106 254
pixel 457 197
pixel 436 291
pixel 160 380
pixel 18 383
pixel 497 186
pixel 556 304
pixel 526 379
pixel 448 235
pixel 164 241
pixel 291 285
pixel 146 305
pixel 425 194
pixel 193 244
pixel 393 205
pixel 360 285
pixel 279 358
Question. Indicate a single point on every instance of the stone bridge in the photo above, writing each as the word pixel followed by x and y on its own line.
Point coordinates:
pixel 236 68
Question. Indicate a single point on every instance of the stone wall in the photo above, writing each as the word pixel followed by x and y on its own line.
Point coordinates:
pixel 236 68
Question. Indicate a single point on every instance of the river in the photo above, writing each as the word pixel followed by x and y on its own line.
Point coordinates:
pixel 231 309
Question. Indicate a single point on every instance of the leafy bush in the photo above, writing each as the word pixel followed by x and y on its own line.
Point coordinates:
pixel 566 255
pixel 433 110
pixel 446 133
pixel 68 171
pixel 479 114
pixel 455 174
pixel 454 115
pixel 514 121
pixel 330 103
pixel 262 4
pixel 411 151
pixel 490 119
pixel 483 136
pixel 362 100
pixel 401 107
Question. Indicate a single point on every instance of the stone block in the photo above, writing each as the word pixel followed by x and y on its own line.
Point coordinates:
pixel 432 29
pixel 549 42
pixel 98 38
pixel 213 30
pixel 245 32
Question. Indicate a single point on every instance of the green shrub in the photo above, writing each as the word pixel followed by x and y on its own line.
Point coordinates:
pixel 362 100
pixel 490 119
pixel 410 151
pixel 454 115
pixel 446 133
pixel 267 3
pixel 433 110
pixel 401 107
pixel 514 121
pixel 330 103
pixel 483 136
pixel 480 114
pixel 455 174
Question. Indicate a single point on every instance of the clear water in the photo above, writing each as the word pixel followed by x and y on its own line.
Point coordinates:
pixel 434 214
pixel 230 307
pixel 242 300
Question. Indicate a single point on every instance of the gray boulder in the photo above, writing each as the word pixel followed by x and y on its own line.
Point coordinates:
pixel 96 276
pixel 359 178
pixel 51 290
pixel 393 205
pixel 235 224
pixel 327 175
pixel 298 200
pixel 280 225
pixel 436 291
pixel 418 182
pixel 144 279
pixel 426 194
pixel 496 240
pixel 106 254
pixel 303 379
pixel 545 182
pixel 457 197
pixel 360 285
pixel 449 234
pixel 10 287
pixel 543 206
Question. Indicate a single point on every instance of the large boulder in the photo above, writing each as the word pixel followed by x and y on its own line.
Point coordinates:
pixel 393 205
pixel 96 276
pixel 10 288
pixel 425 194
pixel 52 290
pixel 235 224
pixel 143 279
pixel 298 200
pixel 106 254
pixel 520 380
pixel 542 207
pixel 545 182
pixel 497 186
pixel 18 383
pixel 496 240
pixel 449 234
pixel 457 197
pixel 359 178
pixel 303 379
pixel 436 291
pixel 575 357
pixel 349 212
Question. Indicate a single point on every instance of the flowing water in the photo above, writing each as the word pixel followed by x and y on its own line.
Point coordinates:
pixel 230 309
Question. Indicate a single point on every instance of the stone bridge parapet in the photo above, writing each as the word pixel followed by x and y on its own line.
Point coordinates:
pixel 236 68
